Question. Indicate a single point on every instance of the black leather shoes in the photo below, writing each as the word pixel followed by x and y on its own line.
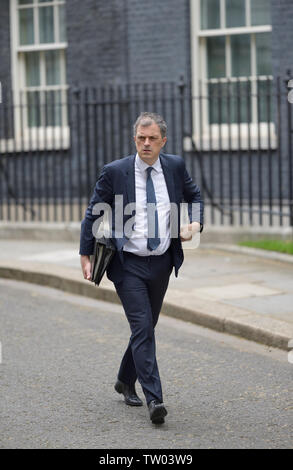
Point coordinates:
pixel 157 412
pixel 129 393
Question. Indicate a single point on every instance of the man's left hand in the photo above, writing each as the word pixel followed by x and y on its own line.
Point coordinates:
pixel 187 231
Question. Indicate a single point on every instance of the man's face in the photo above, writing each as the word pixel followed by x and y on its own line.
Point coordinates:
pixel 149 142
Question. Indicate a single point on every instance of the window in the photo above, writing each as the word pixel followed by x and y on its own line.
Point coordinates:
pixel 39 71
pixel 232 66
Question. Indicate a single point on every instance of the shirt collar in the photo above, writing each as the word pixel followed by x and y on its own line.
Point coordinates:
pixel 143 166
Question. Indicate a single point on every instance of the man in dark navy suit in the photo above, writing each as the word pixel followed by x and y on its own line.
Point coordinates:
pixel 144 193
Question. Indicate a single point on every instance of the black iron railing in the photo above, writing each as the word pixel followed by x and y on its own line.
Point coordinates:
pixel 235 136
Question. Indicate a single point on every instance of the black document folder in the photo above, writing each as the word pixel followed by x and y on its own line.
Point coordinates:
pixel 103 254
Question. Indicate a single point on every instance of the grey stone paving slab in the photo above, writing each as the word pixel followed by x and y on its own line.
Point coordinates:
pixel 234 291
pixel 280 306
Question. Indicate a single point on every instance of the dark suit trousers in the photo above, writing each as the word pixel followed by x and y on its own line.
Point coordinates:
pixel 141 292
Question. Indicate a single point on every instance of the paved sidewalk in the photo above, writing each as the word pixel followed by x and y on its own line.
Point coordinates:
pixel 220 287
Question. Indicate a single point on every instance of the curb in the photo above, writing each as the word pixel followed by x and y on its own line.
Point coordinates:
pixel 40 231
pixel 256 252
pixel 249 327
pixel 70 231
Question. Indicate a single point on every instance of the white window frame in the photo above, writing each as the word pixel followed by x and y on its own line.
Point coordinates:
pixel 214 136
pixel 35 138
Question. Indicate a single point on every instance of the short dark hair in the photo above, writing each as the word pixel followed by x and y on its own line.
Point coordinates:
pixel 146 119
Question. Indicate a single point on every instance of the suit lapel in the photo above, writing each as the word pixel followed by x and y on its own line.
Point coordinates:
pixel 130 180
pixel 168 174
pixel 169 177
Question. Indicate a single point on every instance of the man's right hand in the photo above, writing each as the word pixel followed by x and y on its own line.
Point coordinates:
pixel 86 266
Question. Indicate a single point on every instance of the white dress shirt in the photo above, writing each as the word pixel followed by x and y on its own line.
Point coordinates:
pixel 137 243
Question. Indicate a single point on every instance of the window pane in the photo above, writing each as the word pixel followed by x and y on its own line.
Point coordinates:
pixel 62 21
pixel 32 68
pixel 230 103
pixel 241 102
pixel 53 108
pixel 210 14
pixel 240 46
pixel 261 12
pixel 46 20
pixel 264 100
pixel 45 1
pixel 218 103
pixel 235 13
pixel 34 109
pixel 216 57
pixel 26 26
pixel 53 75
pixel 264 54
pixel 25 2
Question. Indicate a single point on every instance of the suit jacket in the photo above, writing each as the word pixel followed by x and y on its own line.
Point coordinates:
pixel 118 178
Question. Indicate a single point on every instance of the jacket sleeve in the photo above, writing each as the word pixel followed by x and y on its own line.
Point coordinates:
pixel 191 194
pixel 103 193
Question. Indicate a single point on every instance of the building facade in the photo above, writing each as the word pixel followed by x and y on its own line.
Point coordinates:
pixel 228 54
pixel 122 41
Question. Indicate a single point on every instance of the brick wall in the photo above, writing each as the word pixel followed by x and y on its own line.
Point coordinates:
pixel 157 39
pixel 116 41
pixel 282 36
pixel 96 42
pixel 5 53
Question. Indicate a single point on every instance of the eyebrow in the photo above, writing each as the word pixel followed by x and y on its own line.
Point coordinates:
pixel 154 135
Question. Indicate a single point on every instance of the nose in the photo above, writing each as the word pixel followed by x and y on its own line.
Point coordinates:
pixel 147 141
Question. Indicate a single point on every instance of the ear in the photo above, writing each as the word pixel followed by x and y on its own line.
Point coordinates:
pixel 164 141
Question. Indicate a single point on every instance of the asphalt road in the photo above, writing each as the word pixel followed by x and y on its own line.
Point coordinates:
pixel 60 356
